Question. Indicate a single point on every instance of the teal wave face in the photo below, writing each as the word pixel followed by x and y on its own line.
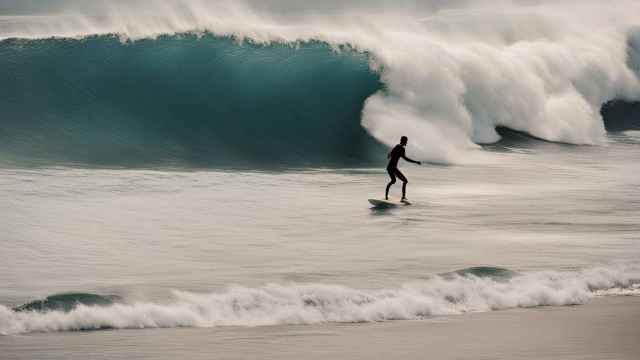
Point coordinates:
pixel 621 115
pixel 182 100
pixel 493 272
pixel 67 302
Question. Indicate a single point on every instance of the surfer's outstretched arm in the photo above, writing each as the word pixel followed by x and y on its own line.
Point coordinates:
pixel 411 161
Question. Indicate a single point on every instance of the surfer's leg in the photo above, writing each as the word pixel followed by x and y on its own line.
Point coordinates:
pixel 393 181
pixel 404 183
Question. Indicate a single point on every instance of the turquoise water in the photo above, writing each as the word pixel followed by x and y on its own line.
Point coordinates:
pixel 186 101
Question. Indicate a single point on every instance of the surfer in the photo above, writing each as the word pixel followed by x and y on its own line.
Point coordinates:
pixel 392 168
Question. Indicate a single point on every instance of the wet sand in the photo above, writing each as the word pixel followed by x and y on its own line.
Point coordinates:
pixel 605 328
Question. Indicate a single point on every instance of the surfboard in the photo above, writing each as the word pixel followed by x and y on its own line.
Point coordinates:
pixel 381 203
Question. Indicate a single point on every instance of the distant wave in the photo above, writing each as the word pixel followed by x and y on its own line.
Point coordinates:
pixel 621 115
pixel 448 294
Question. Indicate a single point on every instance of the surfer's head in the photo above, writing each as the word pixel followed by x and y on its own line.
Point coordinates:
pixel 403 140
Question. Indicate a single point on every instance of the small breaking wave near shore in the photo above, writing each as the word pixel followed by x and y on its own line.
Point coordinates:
pixel 451 73
pixel 469 290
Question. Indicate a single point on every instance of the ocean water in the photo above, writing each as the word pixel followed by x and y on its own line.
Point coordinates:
pixel 199 165
pixel 212 247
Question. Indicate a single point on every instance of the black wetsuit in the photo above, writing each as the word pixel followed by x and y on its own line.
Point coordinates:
pixel 392 168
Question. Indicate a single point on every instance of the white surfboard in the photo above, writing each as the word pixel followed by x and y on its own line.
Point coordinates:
pixel 381 203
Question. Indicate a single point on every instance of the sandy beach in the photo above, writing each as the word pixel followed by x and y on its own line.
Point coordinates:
pixel 605 328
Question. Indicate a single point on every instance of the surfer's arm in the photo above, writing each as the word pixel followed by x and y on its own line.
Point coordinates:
pixel 410 160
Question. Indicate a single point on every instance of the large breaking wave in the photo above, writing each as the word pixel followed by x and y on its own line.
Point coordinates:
pixel 143 82
pixel 182 99
pixel 469 290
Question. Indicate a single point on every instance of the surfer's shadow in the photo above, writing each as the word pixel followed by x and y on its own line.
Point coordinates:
pixel 374 211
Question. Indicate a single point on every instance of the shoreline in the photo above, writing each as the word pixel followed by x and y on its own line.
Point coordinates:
pixel 604 328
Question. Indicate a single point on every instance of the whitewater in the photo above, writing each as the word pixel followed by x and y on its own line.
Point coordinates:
pixel 311 304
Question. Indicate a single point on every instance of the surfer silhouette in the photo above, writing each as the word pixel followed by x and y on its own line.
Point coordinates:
pixel 392 168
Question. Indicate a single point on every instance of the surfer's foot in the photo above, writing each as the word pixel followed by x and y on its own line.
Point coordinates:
pixel 404 199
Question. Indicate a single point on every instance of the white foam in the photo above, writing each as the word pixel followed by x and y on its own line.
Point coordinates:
pixel 316 303
pixel 633 134
pixel 452 74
